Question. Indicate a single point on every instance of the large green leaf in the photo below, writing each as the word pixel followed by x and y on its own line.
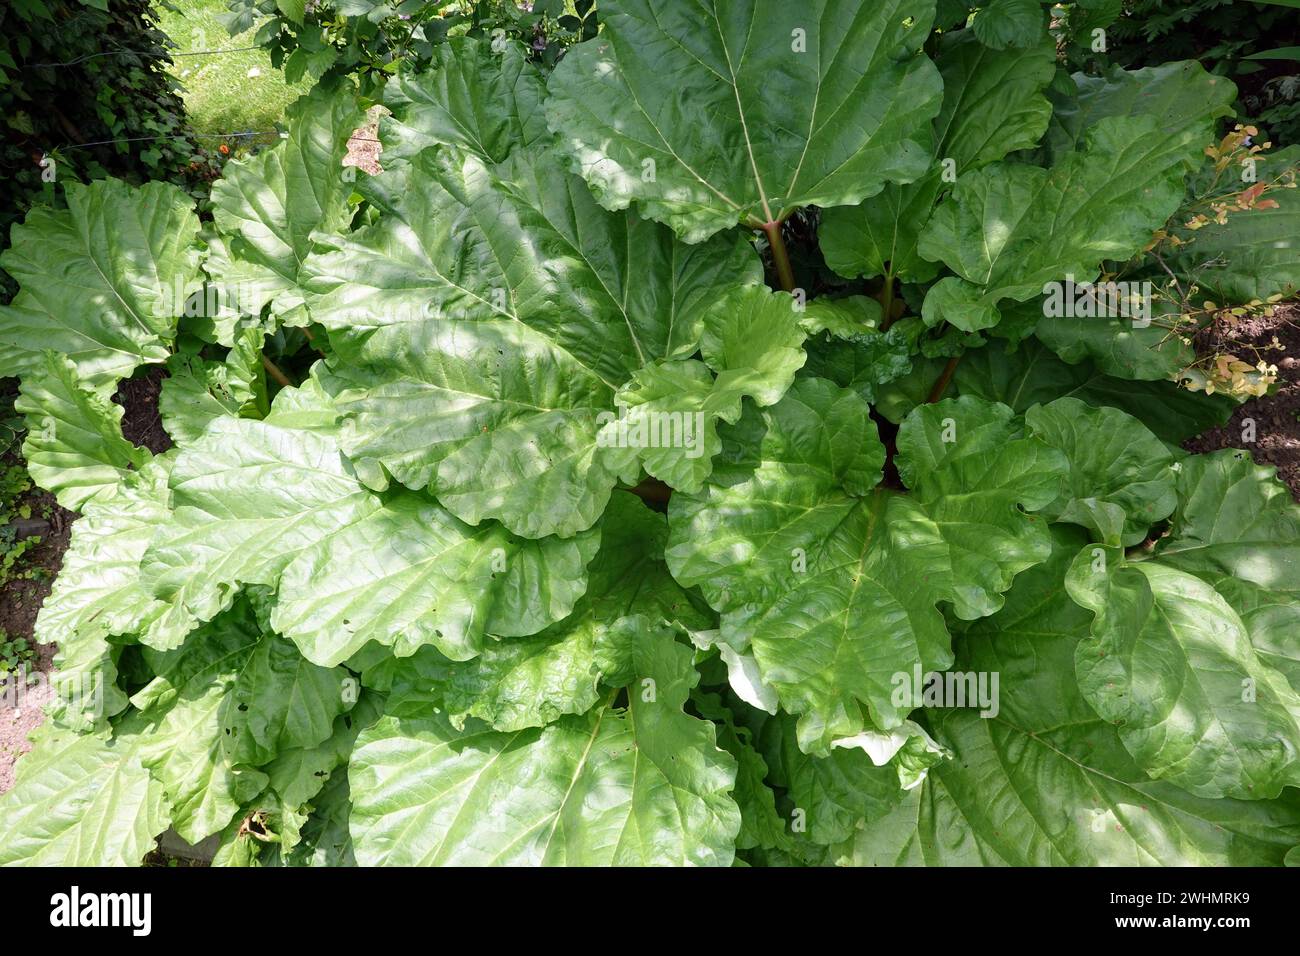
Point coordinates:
pixel 714 112
pixel 1234 519
pixel 298 774
pixel 428 578
pixel 196 390
pixel 82 800
pixel 530 681
pixel 98 594
pixel 484 101
pixel 830 795
pixel 1183 647
pixel 1181 95
pixel 247 497
pixel 1238 529
pixel 760 823
pixel 640 785
pixel 267 206
pixel 1184 101
pixel 1008 229
pixel 1120 480
pixel 1147 351
pixel 751 340
pixel 74 445
pixel 1253 254
pixel 1048 783
pixel 1171 664
pixel 325 837
pixel 879 236
pixel 103 281
pixel 833 581
pixel 1009 23
pixel 993 104
pixel 280 701
pixel 256 503
pixel 864 360
pixel 1032 374
pixel 183 744
pixel 487 322
pixel 972 471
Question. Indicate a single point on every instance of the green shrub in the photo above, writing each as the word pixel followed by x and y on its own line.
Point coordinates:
pixel 75 73
pixel 373 39
pixel 1253 44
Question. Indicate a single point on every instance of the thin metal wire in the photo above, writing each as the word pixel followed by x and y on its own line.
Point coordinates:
pixel 159 56
pixel 139 139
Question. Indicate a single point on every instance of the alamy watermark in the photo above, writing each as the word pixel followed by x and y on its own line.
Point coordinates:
pixel 640 428
pixel 133 911
pixel 946 689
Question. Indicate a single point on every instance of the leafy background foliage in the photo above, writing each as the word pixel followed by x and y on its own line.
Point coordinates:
pixel 404 593
pixel 48 110
pixel 373 39
pixel 1252 43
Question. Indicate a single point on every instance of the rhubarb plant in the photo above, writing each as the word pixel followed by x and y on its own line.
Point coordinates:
pixel 670 459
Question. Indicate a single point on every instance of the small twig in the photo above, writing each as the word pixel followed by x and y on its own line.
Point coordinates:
pixel 1182 296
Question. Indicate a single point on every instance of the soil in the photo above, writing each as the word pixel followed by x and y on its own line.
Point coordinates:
pixel 1276 417
pixel 141 422
pixel 20 599
pixel 17 722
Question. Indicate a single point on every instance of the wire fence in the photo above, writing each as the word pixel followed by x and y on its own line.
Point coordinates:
pixel 147 53
pixel 141 139
pixel 244 134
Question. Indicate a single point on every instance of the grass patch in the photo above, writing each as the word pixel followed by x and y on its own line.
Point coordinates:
pixel 226 92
